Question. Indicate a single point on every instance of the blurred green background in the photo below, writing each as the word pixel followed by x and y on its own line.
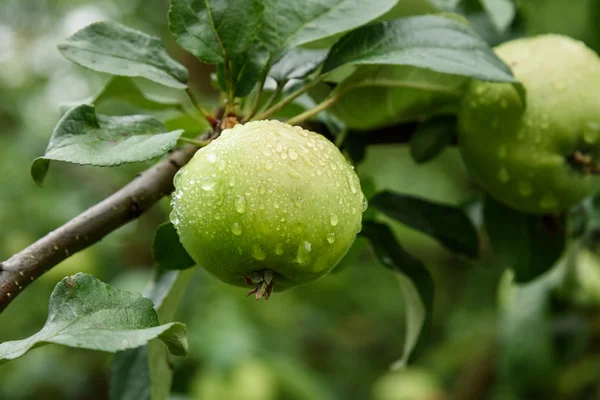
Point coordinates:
pixel 332 339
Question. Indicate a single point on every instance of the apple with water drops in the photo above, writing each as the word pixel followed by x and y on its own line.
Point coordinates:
pixel 539 156
pixel 269 205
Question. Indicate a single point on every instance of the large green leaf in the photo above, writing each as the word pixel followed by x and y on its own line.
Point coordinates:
pixel 124 90
pixel 145 373
pixel 87 313
pixel 214 30
pixel 130 375
pixel 434 42
pixel 115 49
pixel 297 64
pixel 448 224
pixel 415 282
pixel 431 138
pixel 246 70
pixel 527 359
pixel 528 244
pixel 127 90
pixel 290 23
pixel 385 95
pixel 86 138
pixel 409 8
pixel 501 12
pixel 167 250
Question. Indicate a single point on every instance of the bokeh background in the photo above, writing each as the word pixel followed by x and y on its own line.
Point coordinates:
pixel 332 339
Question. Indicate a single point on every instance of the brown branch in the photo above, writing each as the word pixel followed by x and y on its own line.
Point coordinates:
pixel 137 197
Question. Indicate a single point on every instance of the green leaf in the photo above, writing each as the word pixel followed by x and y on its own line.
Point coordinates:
pixel 130 375
pixel 355 146
pixel 448 224
pixel 375 96
pixel 125 89
pixel 115 49
pixel 408 8
pixel 297 64
pixel 527 356
pixel 416 284
pixel 122 89
pixel 528 244
pixel 168 251
pixel 86 138
pixel 434 42
pixel 246 70
pixel 145 373
pixel 214 30
pixel 87 313
pixel 501 12
pixel 192 124
pixel 431 137
pixel 527 359
pixel 290 23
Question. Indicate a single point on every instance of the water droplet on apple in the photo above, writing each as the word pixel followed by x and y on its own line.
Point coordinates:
pixel 591 132
pixel 236 229
pixel 502 151
pixel 333 219
pixel 504 175
pixel 525 188
pixel 208 184
pixel 279 249
pixel 258 253
pixel 331 238
pixel 303 253
pixel 240 204
pixel 548 201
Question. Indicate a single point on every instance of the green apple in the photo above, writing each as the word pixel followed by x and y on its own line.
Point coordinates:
pixel 538 158
pixel 267 204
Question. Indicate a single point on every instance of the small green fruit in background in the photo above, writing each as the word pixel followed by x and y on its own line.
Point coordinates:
pixel 541 159
pixel 267 204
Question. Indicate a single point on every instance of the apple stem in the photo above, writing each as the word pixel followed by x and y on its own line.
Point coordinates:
pixel 584 162
pixel 263 280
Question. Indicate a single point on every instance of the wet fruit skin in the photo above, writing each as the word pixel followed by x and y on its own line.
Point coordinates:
pixel 267 196
pixel 525 158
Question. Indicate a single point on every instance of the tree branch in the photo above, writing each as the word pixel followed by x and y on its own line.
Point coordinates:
pixel 127 204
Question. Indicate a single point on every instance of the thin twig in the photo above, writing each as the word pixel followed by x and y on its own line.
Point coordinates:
pixel 313 111
pixel 81 232
pixel 195 142
pixel 229 107
pixel 209 118
pixel 270 111
pixel 272 98
pixel 259 90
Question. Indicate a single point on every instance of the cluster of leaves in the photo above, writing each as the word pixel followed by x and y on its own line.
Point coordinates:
pixel 285 59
